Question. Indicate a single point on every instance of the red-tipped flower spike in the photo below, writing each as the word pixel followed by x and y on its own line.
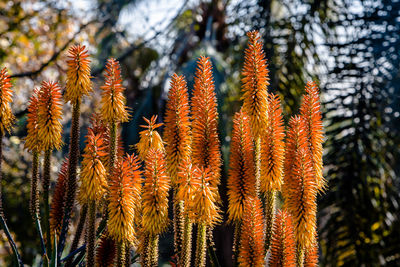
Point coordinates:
pixel 49 116
pixel 93 176
pixel 177 125
pixel 241 180
pixel 57 204
pixel 122 202
pixel 78 74
pixel 204 209
pixel 32 138
pixel 113 101
pixel 255 81
pixel 273 147
pixel 149 138
pixel 6 116
pixel 251 252
pixel 155 193
pixel 283 244
pixel 300 189
pixel 206 146
pixel 311 111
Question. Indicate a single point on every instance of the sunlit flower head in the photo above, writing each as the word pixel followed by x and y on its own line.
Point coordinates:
pixel 6 116
pixel 149 138
pixel 32 138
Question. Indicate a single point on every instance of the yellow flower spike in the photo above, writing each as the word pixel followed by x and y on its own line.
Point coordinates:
pixel 122 202
pixel 149 138
pixel 32 138
pixel 113 101
pixel 49 116
pixel 93 175
pixel 155 193
pixel 187 174
pixel 241 175
pixel 205 144
pixel 78 74
pixel 251 251
pixel 283 244
pixel 255 81
pixel 6 116
pixel 299 188
pixel 177 125
pixel 273 147
pixel 310 110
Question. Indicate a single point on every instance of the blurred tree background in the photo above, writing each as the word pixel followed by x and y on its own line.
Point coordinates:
pixel 350 47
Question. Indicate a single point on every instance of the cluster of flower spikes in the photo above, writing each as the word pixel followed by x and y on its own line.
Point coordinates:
pixel 205 142
pixel 7 117
pixel 241 175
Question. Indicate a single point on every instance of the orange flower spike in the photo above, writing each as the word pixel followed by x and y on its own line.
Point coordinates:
pixel 255 81
pixel 283 244
pixel 300 189
pixel 155 193
pixel 251 251
pixel 136 175
pixel 205 142
pixel 32 138
pixel 122 202
pixel 78 74
pixel 149 138
pixel 187 174
pixel 311 110
pixel 6 116
pixel 205 209
pixel 57 204
pixel 311 255
pixel 113 101
pixel 177 125
pixel 273 147
pixel 241 176
pixel 49 116
pixel 93 175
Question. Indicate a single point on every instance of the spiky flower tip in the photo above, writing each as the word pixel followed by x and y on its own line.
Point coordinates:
pixel 254 83
pixel 49 116
pixel 283 244
pixel 273 147
pixel 78 74
pixel 155 193
pixel 93 176
pixel 186 185
pixel 177 125
pixel 300 189
pixel 149 138
pixel 310 109
pixel 241 175
pixel 106 251
pixel 113 101
pixel 251 251
pixel 122 202
pixel 204 209
pixel 6 116
pixel 32 138
pixel 205 144
pixel 311 255
pixel 57 203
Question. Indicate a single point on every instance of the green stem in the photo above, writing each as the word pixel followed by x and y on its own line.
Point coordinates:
pixel 120 254
pixel 46 186
pixel 300 256
pixel 34 199
pixel 201 247
pixel 127 261
pixel 236 243
pixel 91 234
pixel 269 211
pixel 71 182
pixel 187 243
pixel 78 234
pixel 179 221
